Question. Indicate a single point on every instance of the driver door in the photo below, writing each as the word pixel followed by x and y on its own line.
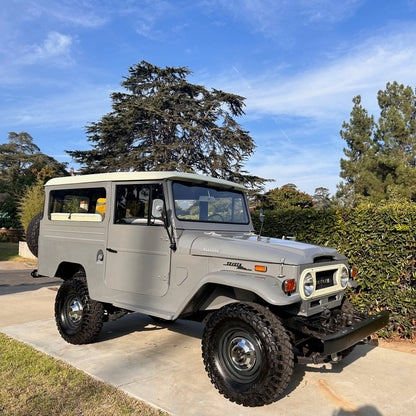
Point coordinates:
pixel 138 252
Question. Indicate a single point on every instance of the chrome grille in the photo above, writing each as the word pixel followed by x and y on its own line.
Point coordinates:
pixel 325 279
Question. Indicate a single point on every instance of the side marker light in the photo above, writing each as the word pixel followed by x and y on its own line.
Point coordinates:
pixel 289 285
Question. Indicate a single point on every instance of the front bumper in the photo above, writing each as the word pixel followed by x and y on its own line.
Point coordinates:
pixel 332 333
pixel 351 335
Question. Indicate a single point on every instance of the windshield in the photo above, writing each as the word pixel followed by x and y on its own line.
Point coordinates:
pixel 209 204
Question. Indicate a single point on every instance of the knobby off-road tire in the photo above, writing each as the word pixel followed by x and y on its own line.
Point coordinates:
pixel 79 319
pixel 247 354
pixel 32 234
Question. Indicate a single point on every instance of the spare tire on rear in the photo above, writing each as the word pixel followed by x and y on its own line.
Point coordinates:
pixel 32 234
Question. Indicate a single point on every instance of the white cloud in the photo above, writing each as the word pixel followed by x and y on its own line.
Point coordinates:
pixel 299 156
pixel 328 10
pixel 307 169
pixel 91 14
pixel 148 17
pixel 74 109
pixel 56 45
pixel 325 92
pixel 312 105
pixel 271 17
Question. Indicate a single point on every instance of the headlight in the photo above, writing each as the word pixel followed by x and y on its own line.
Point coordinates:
pixel 344 277
pixel 308 285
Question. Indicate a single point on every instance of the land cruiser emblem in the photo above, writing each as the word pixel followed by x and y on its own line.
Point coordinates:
pixel 238 266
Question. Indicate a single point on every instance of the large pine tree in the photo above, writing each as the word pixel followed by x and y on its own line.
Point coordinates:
pixel 381 157
pixel 163 122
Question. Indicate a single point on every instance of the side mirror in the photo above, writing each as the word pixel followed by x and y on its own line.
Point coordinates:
pixel 261 215
pixel 157 208
pixel 261 223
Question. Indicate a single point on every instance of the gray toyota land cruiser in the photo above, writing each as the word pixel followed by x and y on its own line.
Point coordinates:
pixel 177 245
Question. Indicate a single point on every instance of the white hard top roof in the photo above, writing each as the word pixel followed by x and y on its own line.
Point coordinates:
pixel 143 176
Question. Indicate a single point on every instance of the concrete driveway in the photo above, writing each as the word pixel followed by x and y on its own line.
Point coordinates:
pixel 162 365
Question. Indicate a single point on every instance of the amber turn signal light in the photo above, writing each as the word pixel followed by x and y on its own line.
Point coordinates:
pixel 289 285
pixel 258 268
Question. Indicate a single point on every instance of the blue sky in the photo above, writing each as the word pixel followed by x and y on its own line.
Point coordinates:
pixel 299 63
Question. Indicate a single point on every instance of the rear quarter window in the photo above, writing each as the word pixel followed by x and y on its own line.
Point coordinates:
pixel 84 204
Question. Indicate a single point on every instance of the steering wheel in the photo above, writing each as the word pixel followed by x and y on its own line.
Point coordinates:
pixel 216 215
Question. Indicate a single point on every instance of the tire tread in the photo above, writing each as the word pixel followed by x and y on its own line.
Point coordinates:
pixel 277 343
pixel 32 234
pixel 93 313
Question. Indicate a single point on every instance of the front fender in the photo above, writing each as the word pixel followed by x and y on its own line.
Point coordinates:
pixel 267 288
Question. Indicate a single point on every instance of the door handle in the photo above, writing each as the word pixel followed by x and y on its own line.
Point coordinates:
pixel 111 250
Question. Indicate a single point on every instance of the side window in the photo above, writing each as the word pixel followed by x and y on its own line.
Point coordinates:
pixel 134 203
pixel 85 204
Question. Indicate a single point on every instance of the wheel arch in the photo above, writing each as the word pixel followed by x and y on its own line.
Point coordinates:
pixel 213 296
pixel 66 270
pixel 219 289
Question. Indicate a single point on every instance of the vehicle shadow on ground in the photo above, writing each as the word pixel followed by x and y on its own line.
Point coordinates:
pixel 365 410
pixel 12 289
pixel 137 322
pixel 301 370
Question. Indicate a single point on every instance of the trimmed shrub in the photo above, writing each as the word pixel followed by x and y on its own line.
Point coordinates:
pixel 379 241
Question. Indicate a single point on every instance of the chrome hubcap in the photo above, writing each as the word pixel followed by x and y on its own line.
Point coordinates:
pixel 242 354
pixel 75 311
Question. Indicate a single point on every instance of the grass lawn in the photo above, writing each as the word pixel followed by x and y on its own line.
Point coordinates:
pixel 32 383
pixel 9 251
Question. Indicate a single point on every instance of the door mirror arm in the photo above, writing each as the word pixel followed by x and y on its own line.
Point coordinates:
pixel 159 212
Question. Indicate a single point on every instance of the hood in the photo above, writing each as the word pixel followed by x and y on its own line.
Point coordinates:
pixel 270 250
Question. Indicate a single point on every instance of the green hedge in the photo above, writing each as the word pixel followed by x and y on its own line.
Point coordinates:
pixel 379 241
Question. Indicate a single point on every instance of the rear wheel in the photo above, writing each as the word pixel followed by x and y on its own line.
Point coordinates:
pixel 247 354
pixel 79 319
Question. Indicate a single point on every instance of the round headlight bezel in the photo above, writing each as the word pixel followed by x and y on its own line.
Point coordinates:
pixel 308 285
pixel 344 277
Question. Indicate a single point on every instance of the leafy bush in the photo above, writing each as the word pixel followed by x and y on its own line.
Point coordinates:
pixel 379 241
pixel 307 225
pixel 31 203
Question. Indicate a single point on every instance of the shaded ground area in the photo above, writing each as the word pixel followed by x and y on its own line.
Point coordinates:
pixel 15 281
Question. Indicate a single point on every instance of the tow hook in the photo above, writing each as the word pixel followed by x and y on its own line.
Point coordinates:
pixel 366 340
pixel 335 358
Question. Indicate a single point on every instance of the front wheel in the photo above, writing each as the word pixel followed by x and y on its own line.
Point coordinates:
pixel 79 319
pixel 247 354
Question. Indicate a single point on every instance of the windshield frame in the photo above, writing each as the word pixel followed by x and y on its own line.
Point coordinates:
pixel 206 203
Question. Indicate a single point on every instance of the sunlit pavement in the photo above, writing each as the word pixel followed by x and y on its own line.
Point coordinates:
pixel 162 365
